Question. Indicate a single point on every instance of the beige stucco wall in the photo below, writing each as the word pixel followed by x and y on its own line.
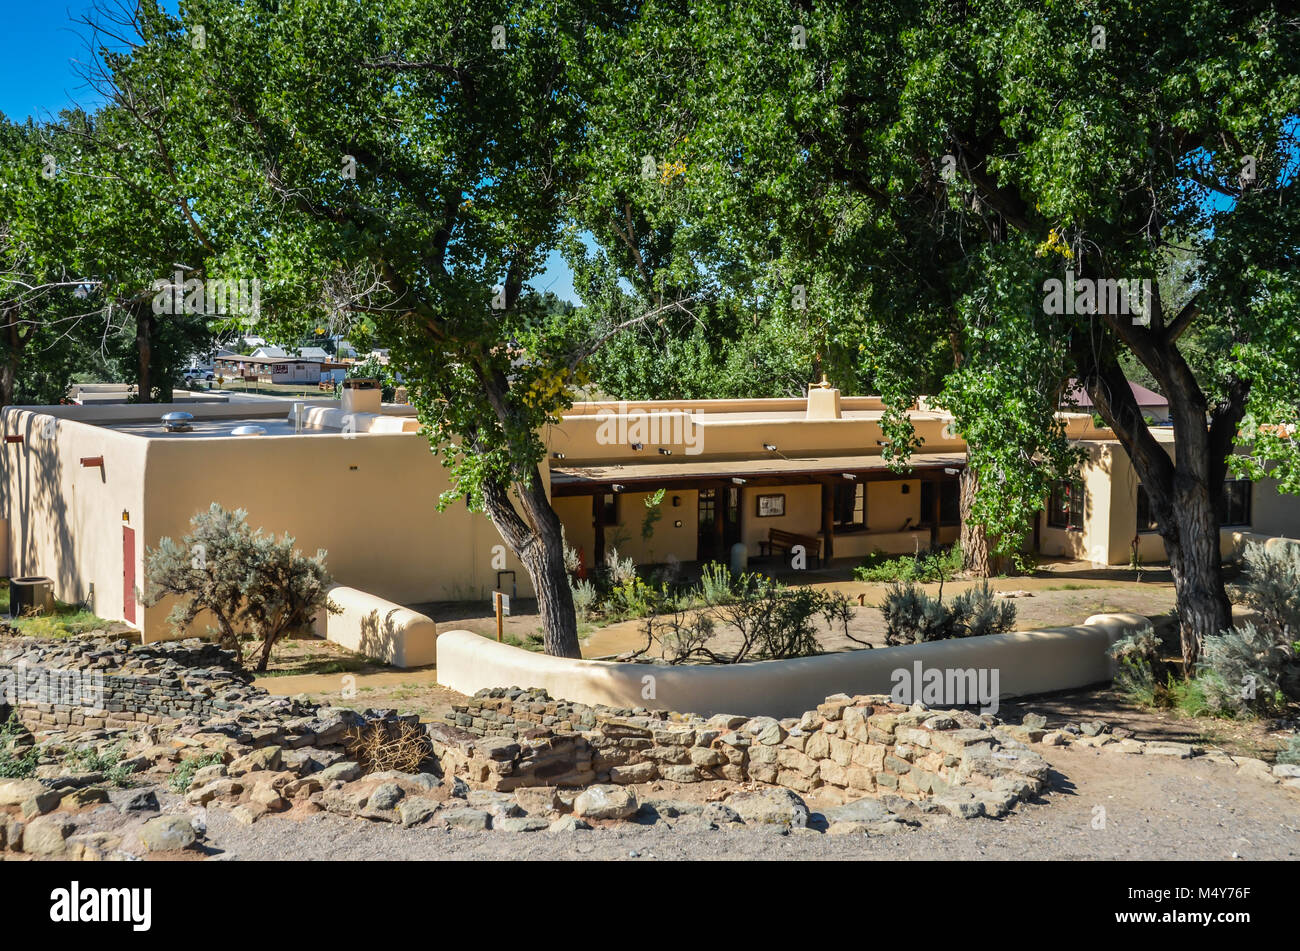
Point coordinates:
pixel 65 521
pixel 1028 662
pixel 369 499
pixel 376 628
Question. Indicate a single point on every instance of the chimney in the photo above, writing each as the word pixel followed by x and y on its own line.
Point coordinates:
pixel 823 401
pixel 362 396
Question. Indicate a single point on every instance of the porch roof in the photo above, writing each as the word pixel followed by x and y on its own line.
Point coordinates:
pixel 771 470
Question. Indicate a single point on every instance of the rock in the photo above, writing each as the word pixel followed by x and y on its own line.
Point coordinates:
pixel 47 800
pixel 14 792
pixel 1034 721
pixel 1125 746
pixel 414 810
pixel 385 796
pixel 143 801
pixel 266 795
pixel 207 774
pixel 224 788
pixel 634 773
pixel 92 846
pixel 90 795
pixel 847 828
pixel 605 802
pixel 47 835
pixel 345 772
pixel 961 808
pixel 567 824
pixel 1056 738
pixel 167 833
pixel 537 800
pixel 765 730
pixel 1286 771
pixel 1176 750
pixel 720 814
pixel 521 824
pixel 499 805
pixel 859 810
pixel 249 812
pixel 782 807
pixel 268 757
pixel 1094 727
pixel 466 818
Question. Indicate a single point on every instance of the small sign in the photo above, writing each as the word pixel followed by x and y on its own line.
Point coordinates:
pixel 503 601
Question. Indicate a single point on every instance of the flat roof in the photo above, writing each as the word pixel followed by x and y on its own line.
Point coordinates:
pixel 208 428
pixel 578 480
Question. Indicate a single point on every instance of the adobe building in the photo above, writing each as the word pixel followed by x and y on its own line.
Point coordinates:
pixel 84 490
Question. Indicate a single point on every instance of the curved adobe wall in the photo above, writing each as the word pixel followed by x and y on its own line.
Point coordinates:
pixel 1027 662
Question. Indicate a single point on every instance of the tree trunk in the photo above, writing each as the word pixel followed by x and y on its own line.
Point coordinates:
pixel 144 351
pixel 538 543
pixel 1195 562
pixel 974 539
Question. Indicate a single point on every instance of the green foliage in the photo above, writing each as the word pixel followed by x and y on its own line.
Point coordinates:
pixel 110 762
pixel 183 774
pixel 913 617
pixel 251 583
pixel 653 513
pixel 715 583
pixel 584 598
pixel 16 762
pixel 372 369
pixel 1291 755
pixel 925 566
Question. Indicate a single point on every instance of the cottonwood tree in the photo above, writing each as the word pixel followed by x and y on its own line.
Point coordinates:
pixel 433 144
pixel 931 167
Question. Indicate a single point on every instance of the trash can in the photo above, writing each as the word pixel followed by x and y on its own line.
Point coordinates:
pixel 31 596
pixel 739 559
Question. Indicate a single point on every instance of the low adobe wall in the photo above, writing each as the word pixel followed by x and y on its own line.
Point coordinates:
pixel 374 627
pixel 1028 662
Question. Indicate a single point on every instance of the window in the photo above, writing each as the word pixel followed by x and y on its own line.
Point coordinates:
pixel 1234 506
pixel 949 502
pixel 610 510
pixel 1145 520
pixel 1065 506
pixel 850 507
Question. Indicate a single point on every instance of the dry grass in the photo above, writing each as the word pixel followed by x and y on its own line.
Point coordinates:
pixel 378 749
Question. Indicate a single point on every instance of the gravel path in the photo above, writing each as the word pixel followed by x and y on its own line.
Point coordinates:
pixel 1155 808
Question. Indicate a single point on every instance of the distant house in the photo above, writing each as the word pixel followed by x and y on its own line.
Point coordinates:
pixel 1153 406
pixel 271 352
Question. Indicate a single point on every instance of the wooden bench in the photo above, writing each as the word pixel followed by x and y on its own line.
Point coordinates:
pixel 781 540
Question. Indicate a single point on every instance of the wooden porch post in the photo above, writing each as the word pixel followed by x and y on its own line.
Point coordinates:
pixel 598 522
pixel 828 523
pixel 935 487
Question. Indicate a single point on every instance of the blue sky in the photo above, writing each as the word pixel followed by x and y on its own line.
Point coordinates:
pixel 40 47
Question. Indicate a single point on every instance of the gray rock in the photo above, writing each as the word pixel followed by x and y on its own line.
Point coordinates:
pixel 143 801
pixel 521 824
pixel 167 833
pixel 720 814
pixel 466 818
pixel 414 810
pixel 567 824
pixel 1034 721
pixel 605 802
pixel 860 810
pixel 385 796
pixel 345 771
pixel 499 805
pixel 782 807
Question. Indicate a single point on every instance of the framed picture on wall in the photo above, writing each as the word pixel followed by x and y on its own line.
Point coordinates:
pixel 771 505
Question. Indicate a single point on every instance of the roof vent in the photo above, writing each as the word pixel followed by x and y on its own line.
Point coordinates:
pixel 178 422
pixel 248 431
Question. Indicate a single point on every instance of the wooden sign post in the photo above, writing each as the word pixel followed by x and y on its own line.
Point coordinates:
pixel 502 604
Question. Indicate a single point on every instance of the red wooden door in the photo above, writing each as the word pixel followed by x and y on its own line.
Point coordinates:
pixel 128 574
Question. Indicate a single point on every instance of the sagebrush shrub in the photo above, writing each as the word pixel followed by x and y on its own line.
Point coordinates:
pixel 913 617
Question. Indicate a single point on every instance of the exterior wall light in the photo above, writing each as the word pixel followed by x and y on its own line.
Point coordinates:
pixel 770 447
pixel 665 452
pixel 638 446
pixel 92 462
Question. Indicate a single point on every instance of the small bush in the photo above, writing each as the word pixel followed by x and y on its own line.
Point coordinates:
pixel 584 599
pixel 13 763
pixel 378 748
pixel 1291 755
pixel 183 774
pixel 913 617
pixel 1241 670
pixel 931 565
pixel 715 583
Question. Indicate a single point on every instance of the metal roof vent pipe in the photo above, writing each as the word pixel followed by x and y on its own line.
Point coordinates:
pixel 178 422
pixel 248 431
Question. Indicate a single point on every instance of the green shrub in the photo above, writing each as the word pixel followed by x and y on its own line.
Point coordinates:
pixel 1241 670
pixel 1291 755
pixel 913 617
pixel 13 763
pixel 715 583
pixel 930 565
pixel 183 775
pixel 584 599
